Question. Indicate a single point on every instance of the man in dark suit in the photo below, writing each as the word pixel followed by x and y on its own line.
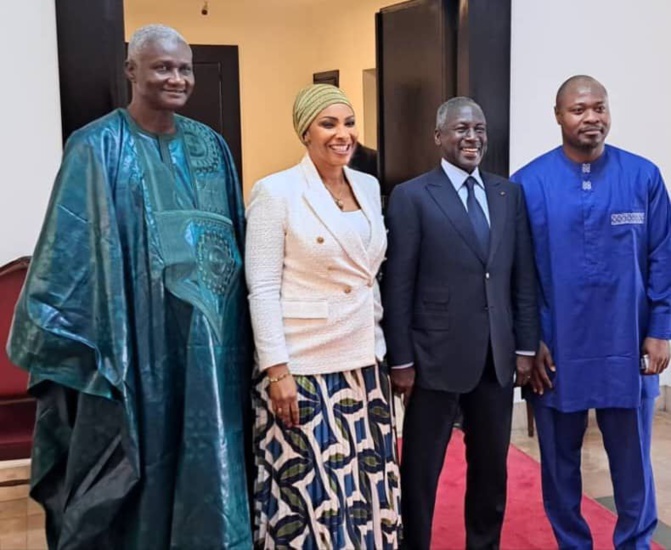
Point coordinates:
pixel 460 321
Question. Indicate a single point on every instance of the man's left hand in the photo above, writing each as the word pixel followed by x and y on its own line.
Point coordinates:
pixel 525 365
pixel 658 353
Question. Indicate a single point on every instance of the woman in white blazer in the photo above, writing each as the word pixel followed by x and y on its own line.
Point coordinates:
pixel 324 445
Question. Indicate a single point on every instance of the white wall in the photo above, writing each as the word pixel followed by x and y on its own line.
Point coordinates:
pixel 625 45
pixel 30 146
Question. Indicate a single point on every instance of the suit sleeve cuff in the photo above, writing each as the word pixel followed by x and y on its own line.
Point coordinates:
pixel 403 366
pixel 525 353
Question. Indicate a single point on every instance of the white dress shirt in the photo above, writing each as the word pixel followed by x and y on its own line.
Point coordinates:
pixel 360 223
pixel 458 178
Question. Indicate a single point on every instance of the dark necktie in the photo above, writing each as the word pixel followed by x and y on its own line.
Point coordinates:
pixel 477 216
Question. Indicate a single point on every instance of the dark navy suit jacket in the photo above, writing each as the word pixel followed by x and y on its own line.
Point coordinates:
pixel 445 301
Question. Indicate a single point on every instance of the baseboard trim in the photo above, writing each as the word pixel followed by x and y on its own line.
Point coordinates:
pixel 664 401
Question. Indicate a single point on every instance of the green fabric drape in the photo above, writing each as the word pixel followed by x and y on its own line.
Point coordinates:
pixel 133 323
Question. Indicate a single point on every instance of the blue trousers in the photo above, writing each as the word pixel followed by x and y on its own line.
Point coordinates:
pixel 626 437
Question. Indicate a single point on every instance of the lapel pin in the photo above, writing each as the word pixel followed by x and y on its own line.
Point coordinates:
pixel 503 193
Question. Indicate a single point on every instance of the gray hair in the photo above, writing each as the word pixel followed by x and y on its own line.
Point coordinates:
pixel 451 105
pixel 149 34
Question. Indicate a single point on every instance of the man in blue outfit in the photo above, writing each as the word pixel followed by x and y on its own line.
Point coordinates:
pixel 133 323
pixel 601 224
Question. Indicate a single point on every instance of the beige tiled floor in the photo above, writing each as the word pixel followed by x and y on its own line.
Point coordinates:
pixel 22 520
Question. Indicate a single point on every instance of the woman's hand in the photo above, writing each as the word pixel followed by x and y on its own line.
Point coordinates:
pixel 283 395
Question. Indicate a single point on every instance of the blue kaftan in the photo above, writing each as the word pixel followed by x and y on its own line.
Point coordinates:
pixel 602 242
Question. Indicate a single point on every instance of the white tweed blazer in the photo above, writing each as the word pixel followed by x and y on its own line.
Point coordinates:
pixel 314 299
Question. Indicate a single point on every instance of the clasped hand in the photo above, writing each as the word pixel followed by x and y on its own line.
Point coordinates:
pixel 658 353
pixel 540 379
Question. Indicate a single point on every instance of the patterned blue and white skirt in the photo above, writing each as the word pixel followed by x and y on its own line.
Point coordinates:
pixel 333 481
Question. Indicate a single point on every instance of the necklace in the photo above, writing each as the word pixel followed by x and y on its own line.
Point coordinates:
pixel 338 200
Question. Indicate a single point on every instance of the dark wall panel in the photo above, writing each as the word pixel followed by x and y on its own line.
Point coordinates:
pixel 488 30
pixel 416 50
pixel 90 56
pixel 429 51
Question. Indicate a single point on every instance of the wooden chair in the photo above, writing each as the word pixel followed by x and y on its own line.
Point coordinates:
pixel 530 419
pixel 17 408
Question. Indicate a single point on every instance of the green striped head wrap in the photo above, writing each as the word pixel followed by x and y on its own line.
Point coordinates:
pixel 313 100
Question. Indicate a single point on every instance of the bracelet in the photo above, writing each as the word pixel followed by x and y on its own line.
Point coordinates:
pixel 272 380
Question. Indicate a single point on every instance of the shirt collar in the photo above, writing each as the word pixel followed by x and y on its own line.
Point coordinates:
pixel 458 176
pixel 586 168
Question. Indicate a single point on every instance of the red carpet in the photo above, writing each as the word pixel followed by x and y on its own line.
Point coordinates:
pixel 525 526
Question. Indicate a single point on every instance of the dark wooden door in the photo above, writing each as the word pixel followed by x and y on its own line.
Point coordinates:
pixel 416 61
pixel 427 52
pixel 216 98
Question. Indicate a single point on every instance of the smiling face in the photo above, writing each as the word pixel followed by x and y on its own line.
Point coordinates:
pixel 462 138
pixel 331 137
pixel 162 75
pixel 583 114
